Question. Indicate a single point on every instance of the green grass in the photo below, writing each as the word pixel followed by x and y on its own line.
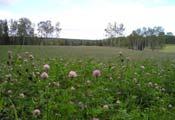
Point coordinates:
pixel 138 88
pixel 101 53
pixel 169 49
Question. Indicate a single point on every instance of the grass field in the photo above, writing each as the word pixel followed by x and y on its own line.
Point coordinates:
pixel 101 53
pixel 86 83
pixel 169 49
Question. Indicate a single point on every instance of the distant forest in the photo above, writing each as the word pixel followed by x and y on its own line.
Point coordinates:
pixel 22 32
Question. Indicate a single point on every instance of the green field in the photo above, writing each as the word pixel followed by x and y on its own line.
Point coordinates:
pixel 169 49
pixel 132 85
pixel 101 53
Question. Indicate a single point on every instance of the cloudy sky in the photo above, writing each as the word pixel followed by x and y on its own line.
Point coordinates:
pixel 88 18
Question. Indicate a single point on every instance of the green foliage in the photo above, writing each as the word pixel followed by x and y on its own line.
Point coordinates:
pixel 4 38
pixel 25 28
pixel 126 89
pixel 45 28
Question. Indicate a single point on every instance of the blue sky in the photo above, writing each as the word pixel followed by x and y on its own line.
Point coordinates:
pixel 88 18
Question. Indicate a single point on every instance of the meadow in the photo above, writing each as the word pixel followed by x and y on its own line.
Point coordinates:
pixel 86 83
pixel 98 53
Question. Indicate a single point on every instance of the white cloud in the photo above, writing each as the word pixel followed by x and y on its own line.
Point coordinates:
pixel 7 2
pixel 93 21
pixel 5 14
pixel 90 21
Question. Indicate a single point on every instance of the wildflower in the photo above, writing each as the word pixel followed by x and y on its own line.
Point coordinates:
pixel 170 106
pixel 22 95
pixel 44 75
pixel 31 57
pixel 163 89
pixel 142 67
pixel 36 112
pixel 26 53
pixel 72 88
pixel 37 74
pixel 25 60
pixel 19 57
pixel 88 81
pixel 118 102
pixel 150 84
pixel 138 85
pixel 46 67
pixel 96 73
pixel 9 76
pixel 56 84
pixel 105 106
pixel 155 84
pixel 9 91
pixel 158 98
pixel 110 78
pixel 120 53
pixel 72 74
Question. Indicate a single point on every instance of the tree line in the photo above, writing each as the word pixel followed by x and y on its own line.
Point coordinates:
pixel 139 39
pixel 17 31
pixel 24 32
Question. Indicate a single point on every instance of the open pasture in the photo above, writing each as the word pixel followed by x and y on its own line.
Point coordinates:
pixel 99 53
pixel 86 83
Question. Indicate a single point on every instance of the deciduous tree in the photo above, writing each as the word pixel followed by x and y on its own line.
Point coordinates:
pixel 57 29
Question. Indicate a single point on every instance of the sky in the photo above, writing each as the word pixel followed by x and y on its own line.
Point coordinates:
pixel 87 19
